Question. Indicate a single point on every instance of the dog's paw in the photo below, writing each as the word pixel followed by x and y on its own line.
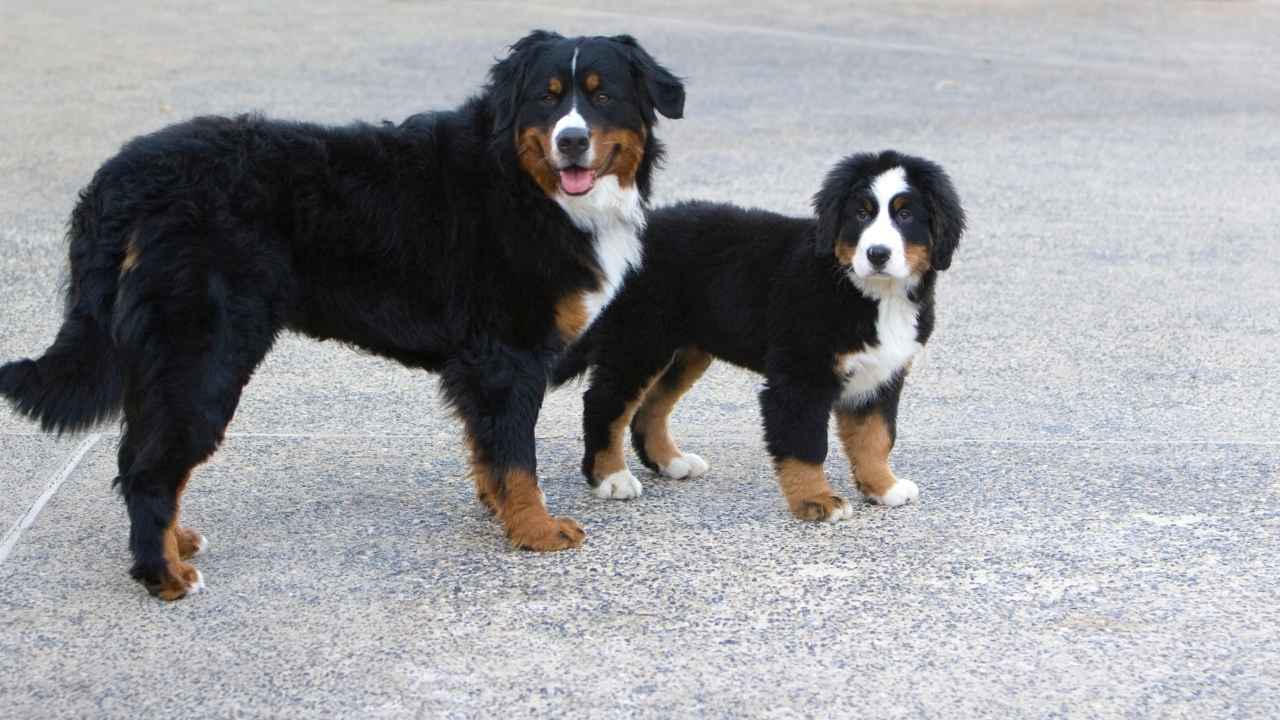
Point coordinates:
pixel 190 543
pixel 177 582
pixel 685 466
pixel 822 508
pixel 547 534
pixel 621 485
pixel 901 493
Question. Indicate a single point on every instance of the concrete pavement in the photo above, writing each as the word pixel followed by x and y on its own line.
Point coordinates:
pixel 1094 428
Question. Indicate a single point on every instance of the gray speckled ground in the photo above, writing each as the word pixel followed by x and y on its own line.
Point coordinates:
pixel 1094 428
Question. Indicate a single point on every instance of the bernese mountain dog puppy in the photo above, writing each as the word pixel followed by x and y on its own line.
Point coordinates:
pixel 476 243
pixel 831 310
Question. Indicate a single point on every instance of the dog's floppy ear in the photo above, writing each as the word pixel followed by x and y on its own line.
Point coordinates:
pixel 828 205
pixel 659 88
pixel 946 216
pixel 506 77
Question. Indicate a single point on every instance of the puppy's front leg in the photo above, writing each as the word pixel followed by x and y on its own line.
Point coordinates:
pixel 795 428
pixel 868 434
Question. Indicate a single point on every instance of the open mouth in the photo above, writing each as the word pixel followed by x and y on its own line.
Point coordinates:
pixel 577 180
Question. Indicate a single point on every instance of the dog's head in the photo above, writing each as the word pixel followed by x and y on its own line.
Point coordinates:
pixel 580 110
pixel 888 217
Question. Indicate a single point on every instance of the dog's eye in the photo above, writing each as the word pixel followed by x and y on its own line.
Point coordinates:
pixel 549 99
pixel 904 214
pixel 602 99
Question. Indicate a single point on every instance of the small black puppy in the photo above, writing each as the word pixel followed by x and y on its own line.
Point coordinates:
pixel 830 310
pixel 476 243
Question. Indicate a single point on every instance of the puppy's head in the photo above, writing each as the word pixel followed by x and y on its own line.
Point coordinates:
pixel 888 217
pixel 580 109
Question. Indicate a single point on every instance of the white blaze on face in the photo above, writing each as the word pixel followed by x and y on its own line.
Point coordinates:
pixel 882 230
pixel 573 119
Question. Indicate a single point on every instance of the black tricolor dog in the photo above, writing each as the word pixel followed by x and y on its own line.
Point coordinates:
pixel 831 310
pixel 476 243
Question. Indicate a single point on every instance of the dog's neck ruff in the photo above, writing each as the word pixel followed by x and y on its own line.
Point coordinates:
pixel 614 217
pixel 896 345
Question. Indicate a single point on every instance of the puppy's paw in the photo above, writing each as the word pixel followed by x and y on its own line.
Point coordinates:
pixel 900 493
pixel 621 485
pixel 822 508
pixel 685 466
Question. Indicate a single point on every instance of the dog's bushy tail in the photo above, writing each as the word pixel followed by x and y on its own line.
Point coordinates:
pixel 77 383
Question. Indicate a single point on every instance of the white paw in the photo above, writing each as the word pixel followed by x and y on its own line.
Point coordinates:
pixel 902 492
pixel 687 465
pixel 621 485
pixel 843 511
pixel 202 547
pixel 196 587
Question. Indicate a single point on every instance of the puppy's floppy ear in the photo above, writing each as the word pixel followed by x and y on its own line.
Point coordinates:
pixel 946 216
pixel 659 88
pixel 829 204
pixel 506 77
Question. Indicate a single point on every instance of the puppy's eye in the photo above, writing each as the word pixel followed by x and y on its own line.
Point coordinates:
pixel 904 214
pixel 602 99
pixel 549 99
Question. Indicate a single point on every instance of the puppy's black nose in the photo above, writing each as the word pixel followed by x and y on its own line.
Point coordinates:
pixel 879 255
pixel 573 142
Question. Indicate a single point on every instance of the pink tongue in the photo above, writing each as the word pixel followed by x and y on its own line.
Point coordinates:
pixel 576 180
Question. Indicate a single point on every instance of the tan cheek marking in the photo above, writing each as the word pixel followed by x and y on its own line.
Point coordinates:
pixel 867 444
pixel 592 82
pixel 532 146
pixel 805 486
pixel 130 253
pixel 917 258
pixel 845 252
pixel 629 145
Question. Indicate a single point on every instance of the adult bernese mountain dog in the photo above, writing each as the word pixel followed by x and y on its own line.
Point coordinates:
pixel 475 243
pixel 831 310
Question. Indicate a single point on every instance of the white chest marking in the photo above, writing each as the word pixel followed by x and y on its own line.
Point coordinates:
pixel 615 218
pixel 867 371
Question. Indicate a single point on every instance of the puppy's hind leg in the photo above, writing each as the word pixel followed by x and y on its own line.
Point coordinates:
pixel 650 429
pixel 619 383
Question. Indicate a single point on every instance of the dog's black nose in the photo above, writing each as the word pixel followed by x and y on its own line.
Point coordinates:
pixel 573 142
pixel 879 255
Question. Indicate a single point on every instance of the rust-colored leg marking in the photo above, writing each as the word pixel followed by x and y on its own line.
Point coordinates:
pixel 808 494
pixel 867 444
pixel 651 421
pixel 179 544
pixel 613 457
pixel 487 485
pixel 523 511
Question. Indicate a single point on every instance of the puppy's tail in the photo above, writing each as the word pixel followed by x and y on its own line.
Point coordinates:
pixel 77 383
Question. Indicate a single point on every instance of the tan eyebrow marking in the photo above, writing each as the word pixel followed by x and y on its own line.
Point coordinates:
pixel 554 86
pixel 592 82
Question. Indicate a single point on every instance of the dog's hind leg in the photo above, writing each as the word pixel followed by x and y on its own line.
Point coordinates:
pixel 650 431
pixel 186 361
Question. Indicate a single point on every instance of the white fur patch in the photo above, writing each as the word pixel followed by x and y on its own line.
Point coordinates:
pixel 573 119
pixel 615 218
pixel 198 586
pixel 866 371
pixel 882 231
pixel 843 511
pixel 902 492
pixel 687 465
pixel 621 485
